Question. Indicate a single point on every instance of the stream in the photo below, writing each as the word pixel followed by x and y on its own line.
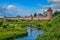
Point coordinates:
pixel 32 34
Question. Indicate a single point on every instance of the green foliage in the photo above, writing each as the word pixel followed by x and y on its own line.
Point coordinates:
pixel 11 28
pixel 52 31
pixel 56 13
pixel 1 23
pixel 35 14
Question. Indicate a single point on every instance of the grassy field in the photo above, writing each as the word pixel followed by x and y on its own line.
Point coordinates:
pixel 11 29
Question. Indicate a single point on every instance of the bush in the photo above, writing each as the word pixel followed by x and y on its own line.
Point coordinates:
pixel 1 23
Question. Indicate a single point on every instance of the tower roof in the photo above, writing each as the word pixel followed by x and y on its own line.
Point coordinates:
pixel 49 9
pixel 4 16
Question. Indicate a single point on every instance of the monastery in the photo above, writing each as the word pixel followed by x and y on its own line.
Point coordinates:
pixel 48 17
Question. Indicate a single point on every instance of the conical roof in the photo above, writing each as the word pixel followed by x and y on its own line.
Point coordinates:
pixel 49 9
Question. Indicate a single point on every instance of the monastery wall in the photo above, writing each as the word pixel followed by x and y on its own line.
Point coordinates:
pixel 34 18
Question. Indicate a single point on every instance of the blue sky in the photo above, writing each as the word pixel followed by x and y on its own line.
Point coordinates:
pixel 26 7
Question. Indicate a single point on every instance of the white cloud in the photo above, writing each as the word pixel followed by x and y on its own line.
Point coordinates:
pixel 11 7
pixel 41 11
pixel 8 10
pixel 54 0
pixel 54 6
pixel 12 10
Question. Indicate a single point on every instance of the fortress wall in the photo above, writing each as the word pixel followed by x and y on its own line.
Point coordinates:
pixel 34 18
pixel 19 18
pixel 42 18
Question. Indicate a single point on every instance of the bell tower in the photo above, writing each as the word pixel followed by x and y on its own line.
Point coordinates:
pixel 49 11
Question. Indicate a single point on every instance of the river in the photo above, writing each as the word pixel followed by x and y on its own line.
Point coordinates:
pixel 32 34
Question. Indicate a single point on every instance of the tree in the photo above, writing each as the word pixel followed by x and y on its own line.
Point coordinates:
pixel 31 15
pixel 56 13
pixel 35 14
pixel 1 23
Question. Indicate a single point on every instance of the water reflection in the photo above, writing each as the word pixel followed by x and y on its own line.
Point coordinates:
pixel 32 34
pixel 31 31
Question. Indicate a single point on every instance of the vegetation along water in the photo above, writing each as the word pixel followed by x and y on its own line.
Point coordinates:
pixel 10 29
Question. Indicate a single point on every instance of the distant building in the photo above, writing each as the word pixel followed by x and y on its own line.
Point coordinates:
pixel 39 16
pixel 49 11
pixel 5 17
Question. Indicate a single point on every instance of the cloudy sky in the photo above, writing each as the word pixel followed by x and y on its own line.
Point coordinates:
pixel 26 7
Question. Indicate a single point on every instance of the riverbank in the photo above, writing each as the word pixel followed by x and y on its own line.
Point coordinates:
pixel 10 30
pixel 16 27
pixel 52 31
pixel 7 35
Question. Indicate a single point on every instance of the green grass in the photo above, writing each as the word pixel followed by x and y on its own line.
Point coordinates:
pixel 52 31
pixel 11 29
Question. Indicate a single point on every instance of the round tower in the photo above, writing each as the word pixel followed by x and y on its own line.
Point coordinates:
pixel 49 11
